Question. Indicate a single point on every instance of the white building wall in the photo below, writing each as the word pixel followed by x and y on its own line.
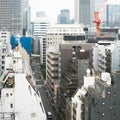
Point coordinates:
pixel 55 34
pixel 4 48
pixel 99 57
pixel 79 96
pixel 40 27
pixel 21 99
pixel 116 57
pixel 95 57
pixel 41 49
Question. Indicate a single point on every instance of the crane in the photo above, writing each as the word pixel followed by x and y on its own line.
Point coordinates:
pixel 97 19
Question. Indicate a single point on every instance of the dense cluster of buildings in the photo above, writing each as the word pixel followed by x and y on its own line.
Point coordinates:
pixel 78 72
pixel 82 68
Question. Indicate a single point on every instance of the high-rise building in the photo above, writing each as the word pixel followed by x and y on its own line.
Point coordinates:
pixel 64 17
pixel 11 16
pixel 40 26
pixel 84 11
pixel 26 18
pixel 113 15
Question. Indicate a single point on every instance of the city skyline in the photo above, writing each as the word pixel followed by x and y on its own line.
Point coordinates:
pixel 52 8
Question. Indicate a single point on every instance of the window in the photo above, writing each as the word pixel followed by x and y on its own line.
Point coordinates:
pixel 7 95
pixel 30 90
pixel 11 105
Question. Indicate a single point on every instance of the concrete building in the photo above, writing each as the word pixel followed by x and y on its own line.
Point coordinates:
pixel 40 26
pixel 60 40
pixel 77 103
pixel 56 34
pixel 75 59
pixel 98 99
pixel 64 17
pixel 11 16
pixel 4 48
pixel 26 18
pixel 52 76
pixel 19 96
pixel 105 58
pixel 102 100
pixel 84 11
pixel 112 15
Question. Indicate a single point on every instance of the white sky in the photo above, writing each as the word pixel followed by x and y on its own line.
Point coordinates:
pixel 52 7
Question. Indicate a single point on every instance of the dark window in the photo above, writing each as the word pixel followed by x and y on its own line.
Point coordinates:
pixel 11 105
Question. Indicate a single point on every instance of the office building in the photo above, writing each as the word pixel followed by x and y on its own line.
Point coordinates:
pixel 40 26
pixel 26 18
pixel 61 33
pixel 64 17
pixel 112 15
pixel 84 11
pixel 11 16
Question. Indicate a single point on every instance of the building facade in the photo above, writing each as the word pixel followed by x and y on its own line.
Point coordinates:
pixel 105 58
pixel 4 48
pixel 84 11
pixel 101 101
pixel 11 16
pixel 112 15
pixel 56 34
pixel 40 26
pixel 26 18
pixel 75 59
pixel 64 17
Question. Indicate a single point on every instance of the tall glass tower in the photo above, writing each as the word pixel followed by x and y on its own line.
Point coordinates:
pixel 113 15
pixel 64 17
pixel 84 11
pixel 11 16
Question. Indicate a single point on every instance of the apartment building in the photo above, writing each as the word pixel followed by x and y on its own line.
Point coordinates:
pixel 105 57
pixel 4 48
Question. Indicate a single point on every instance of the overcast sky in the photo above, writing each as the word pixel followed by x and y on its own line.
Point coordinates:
pixel 52 7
